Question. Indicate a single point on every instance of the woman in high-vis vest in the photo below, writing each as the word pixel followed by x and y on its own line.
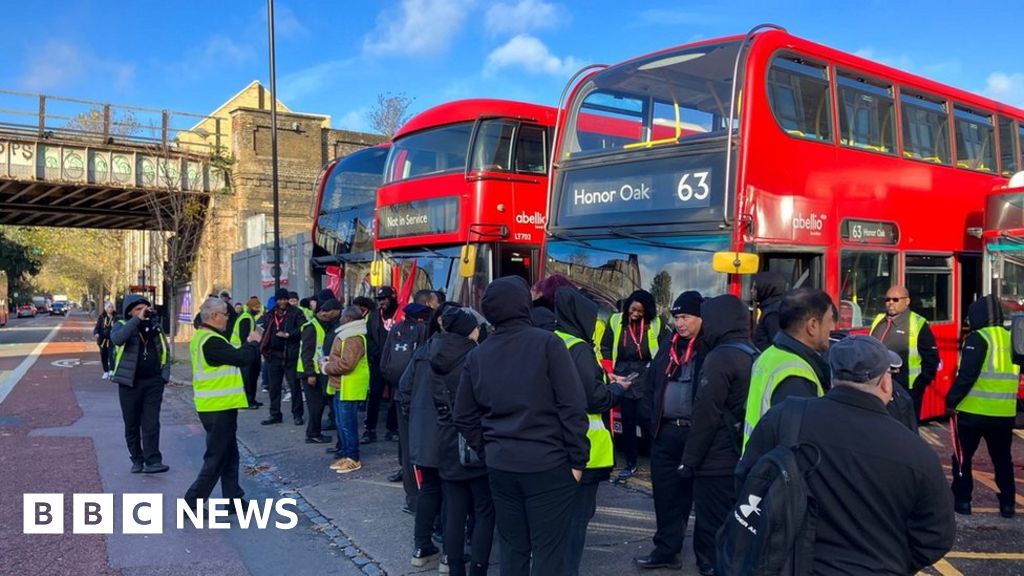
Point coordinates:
pixel 219 393
pixel 630 343
pixel 983 399
pixel 348 374
pixel 575 321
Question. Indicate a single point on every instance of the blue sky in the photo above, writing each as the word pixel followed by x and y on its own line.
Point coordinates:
pixel 335 57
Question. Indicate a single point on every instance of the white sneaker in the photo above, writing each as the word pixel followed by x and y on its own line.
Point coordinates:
pixel 287 397
pixel 106 375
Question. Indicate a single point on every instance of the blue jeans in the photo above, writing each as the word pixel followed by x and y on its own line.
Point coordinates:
pixel 346 418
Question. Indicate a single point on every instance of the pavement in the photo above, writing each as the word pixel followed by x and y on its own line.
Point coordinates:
pixel 61 432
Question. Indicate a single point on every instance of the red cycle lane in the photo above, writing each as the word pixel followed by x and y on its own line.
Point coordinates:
pixel 44 398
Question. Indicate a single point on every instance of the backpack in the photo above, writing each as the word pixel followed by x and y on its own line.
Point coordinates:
pixel 402 341
pixel 770 531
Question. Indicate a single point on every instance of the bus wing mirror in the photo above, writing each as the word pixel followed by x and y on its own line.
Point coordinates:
pixel 735 262
pixel 377 273
pixel 467 261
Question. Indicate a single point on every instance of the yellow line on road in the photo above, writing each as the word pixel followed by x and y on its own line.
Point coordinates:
pixel 946 569
pixel 1019 433
pixel 988 479
pixel 929 437
pixel 986 556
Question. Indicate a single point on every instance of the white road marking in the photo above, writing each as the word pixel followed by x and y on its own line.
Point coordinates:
pixel 12 378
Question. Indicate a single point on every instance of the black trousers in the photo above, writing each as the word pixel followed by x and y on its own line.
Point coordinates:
pixel 140 410
pixel 408 474
pixel 220 462
pixel 461 497
pixel 999 440
pixel 315 398
pixel 250 378
pixel 628 409
pixel 105 357
pixel 673 495
pixel 917 394
pixel 280 372
pixel 713 497
pixel 428 506
pixel 533 513
pixel 373 401
pixel 583 509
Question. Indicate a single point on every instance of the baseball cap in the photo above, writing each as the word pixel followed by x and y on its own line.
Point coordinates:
pixel 861 359
pixel 385 292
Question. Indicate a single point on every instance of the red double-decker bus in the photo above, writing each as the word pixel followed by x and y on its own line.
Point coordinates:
pixel 838 172
pixel 1004 245
pixel 346 201
pixel 464 198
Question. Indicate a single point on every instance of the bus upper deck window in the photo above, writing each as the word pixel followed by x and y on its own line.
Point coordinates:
pixel 866 115
pixel 975 140
pixel 1008 148
pixel 798 93
pixel 925 129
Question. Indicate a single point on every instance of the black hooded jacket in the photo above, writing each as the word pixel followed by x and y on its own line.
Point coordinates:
pixel 654 382
pixel 520 403
pixel 445 355
pixel 631 358
pixel 576 315
pixel 713 447
pixel 986 311
pixel 771 286
pixel 133 334
pixel 796 385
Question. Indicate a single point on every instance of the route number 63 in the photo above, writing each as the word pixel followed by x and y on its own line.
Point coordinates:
pixel 693 186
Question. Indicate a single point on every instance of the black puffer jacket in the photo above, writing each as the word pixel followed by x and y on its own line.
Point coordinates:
pixel 630 357
pixel 986 311
pixel 125 333
pixel 446 354
pixel 576 315
pixel 520 402
pixel 656 379
pixel 713 447
pixel 770 288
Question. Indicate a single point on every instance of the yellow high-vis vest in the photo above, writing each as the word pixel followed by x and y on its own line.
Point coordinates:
pixel 215 388
pixel 601 451
pixel 995 391
pixel 772 367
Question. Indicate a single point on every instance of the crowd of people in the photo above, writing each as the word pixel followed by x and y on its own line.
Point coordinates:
pixel 502 414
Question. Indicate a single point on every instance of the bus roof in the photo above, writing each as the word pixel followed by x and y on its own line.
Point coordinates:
pixel 778 39
pixel 469 110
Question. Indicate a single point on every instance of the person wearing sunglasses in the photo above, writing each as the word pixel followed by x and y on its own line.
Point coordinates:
pixel 908 334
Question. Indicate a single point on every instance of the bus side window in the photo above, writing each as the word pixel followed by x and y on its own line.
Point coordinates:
pixel 531 150
pixel 1007 148
pixel 929 280
pixel 925 129
pixel 975 140
pixel 798 94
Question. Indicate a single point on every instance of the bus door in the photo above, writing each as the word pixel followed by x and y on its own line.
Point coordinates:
pixel 800 269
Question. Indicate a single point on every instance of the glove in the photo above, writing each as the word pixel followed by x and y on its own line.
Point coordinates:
pixel 684 471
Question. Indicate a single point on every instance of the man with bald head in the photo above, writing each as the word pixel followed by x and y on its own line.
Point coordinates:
pixel 907 333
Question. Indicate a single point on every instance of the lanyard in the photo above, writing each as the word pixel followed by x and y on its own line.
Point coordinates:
pixel 145 345
pixel 637 340
pixel 674 361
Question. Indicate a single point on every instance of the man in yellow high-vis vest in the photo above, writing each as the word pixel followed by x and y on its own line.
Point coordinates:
pixel 575 321
pixel 245 324
pixel 908 335
pixel 219 393
pixel 984 398
pixel 317 338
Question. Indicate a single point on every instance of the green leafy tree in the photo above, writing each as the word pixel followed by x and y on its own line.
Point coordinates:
pixel 661 289
pixel 21 263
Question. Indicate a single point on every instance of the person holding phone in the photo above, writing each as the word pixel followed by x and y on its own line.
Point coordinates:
pixel 141 371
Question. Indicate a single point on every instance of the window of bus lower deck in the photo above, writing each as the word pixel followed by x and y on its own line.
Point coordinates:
pixel 1009 279
pixel 929 279
pixel 438 269
pixel 864 278
pixel 800 269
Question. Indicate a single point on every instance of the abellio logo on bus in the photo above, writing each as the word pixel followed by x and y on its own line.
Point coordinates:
pixel 536 219
pixel 813 224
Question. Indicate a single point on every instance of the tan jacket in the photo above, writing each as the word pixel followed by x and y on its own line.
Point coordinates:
pixel 339 363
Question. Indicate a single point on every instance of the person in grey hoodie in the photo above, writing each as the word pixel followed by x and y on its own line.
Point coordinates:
pixel 141 369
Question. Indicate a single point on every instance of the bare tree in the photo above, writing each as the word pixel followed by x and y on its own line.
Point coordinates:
pixel 102 121
pixel 390 112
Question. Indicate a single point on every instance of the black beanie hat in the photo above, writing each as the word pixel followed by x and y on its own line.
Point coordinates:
pixel 281 294
pixel 688 303
pixel 458 321
pixel 330 305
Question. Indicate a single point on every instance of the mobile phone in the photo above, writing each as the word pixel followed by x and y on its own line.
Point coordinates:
pixel 632 376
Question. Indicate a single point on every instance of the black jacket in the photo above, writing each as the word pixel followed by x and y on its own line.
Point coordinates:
pixel 654 382
pixel 795 385
pixel 103 328
pixel 576 315
pixel 126 334
pixel 631 358
pixel 308 348
pixel 543 317
pixel 713 447
pixel 221 353
pixel 416 401
pixel 984 312
pixel 445 357
pixel 884 506
pixel 771 286
pixel 290 320
pixel 520 402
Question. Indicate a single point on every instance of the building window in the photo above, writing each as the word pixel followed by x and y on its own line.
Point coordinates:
pixel 925 129
pixel 930 283
pixel 867 116
pixel 798 93
pixel 864 279
pixel 975 140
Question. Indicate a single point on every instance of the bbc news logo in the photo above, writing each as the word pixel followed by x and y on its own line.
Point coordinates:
pixel 144 514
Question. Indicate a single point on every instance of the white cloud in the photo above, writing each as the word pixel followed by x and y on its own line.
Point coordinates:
pixel 529 53
pixel 286 23
pixel 223 49
pixel 901 61
pixel 421 27
pixel 671 17
pixel 60 65
pixel 523 16
pixel 1006 87
pixel 293 87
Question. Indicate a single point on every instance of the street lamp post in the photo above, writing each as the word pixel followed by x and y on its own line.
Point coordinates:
pixel 273 147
